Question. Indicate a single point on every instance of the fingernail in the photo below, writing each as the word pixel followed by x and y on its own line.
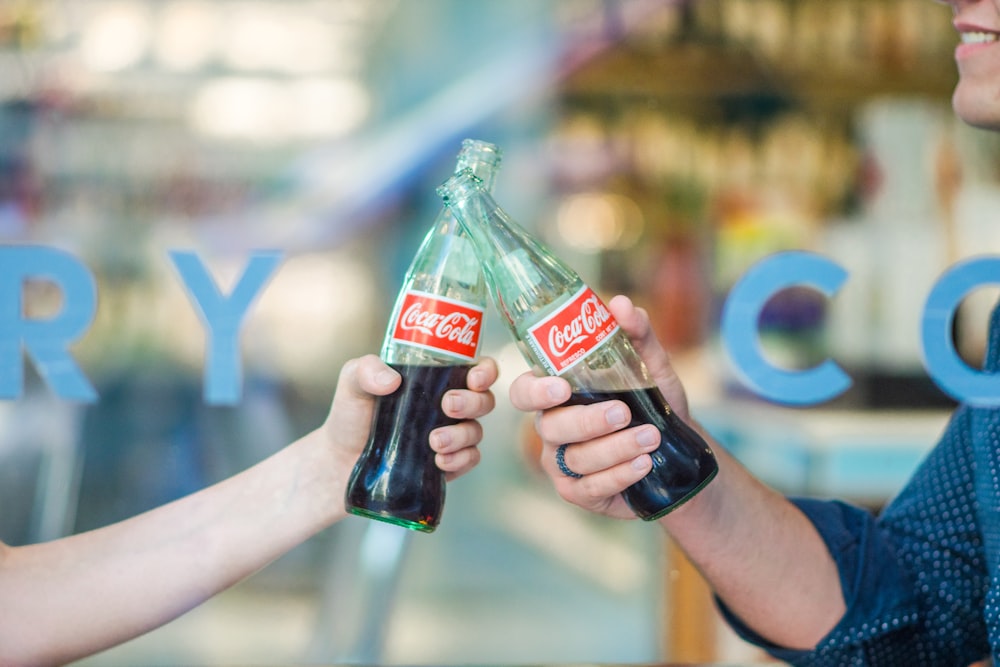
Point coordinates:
pixel 555 392
pixel 442 439
pixel 647 438
pixel 454 402
pixel 642 462
pixel 615 416
pixel 474 379
pixel 385 378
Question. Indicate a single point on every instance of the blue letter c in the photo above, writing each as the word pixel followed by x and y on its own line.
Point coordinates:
pixel 740 318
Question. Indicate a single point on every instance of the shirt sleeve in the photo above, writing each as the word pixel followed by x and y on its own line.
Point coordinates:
pixel 913 579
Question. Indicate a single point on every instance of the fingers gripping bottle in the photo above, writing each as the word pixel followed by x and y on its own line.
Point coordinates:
pixel 432 340
pixel 562 328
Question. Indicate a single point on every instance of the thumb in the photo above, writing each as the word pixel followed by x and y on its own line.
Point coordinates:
pixel 634 321
pixel 361 380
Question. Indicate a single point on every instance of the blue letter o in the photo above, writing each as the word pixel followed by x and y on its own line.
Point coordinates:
pixel 941 360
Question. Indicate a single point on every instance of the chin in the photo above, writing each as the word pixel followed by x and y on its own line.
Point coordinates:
pixel 977 110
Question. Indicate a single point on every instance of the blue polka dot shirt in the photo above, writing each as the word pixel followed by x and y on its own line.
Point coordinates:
pixel 922 580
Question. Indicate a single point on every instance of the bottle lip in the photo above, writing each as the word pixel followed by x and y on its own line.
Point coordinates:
pixel 481 146
pixel 449 190
pixel 482 153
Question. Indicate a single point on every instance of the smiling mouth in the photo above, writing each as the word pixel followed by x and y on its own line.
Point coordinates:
pixel 979 37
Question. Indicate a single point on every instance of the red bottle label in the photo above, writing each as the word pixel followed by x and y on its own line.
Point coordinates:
pixel 567 336
pixel 440 324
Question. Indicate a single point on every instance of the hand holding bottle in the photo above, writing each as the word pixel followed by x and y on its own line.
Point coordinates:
pixel 610 456
pixel 363 380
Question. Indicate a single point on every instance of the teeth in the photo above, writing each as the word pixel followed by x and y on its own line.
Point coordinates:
pixel 978 37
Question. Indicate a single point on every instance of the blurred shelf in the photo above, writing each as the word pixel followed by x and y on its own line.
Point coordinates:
pixel 705 73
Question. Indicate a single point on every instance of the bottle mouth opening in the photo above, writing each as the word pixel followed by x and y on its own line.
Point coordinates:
pixel 483 148
pixel 459 184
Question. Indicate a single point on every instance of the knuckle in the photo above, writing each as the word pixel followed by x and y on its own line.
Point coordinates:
pixel 472 456
pixel 474 433
pixel 465 434
pixel 625 446
pixel 489 402
pixel 547 429
pixel 523 393
pixel 591 491
pixel 595 421
pixel 564 488
pixel 537 398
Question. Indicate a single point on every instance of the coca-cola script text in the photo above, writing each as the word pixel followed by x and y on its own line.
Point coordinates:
pixel 439 324
pixel 571 333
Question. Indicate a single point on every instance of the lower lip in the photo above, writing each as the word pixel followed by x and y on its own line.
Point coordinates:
pixel 966 50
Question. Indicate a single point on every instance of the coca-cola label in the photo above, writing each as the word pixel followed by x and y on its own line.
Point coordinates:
pixel 439 324
pixel 570 334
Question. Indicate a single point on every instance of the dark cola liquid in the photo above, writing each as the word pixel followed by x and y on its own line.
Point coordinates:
pixel 395 479
pixel 682 464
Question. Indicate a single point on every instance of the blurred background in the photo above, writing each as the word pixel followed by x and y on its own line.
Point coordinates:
pixel 661 147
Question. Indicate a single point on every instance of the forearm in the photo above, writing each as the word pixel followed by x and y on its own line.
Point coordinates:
pixel 761 556
pixel 72 597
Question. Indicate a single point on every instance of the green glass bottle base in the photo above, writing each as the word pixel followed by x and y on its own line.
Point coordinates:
pixel 396 521
pixel 692 494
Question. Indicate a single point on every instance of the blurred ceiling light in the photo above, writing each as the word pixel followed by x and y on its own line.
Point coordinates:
pixel 326 107
pixel 116 36
pixel 322 297
pixel 593 222
pixel 307 292
pixel 313 46
pixel 265 36
pixel 186 38
pixel 272 111
pixel 237 108
pixel 253 32
pixel 359 11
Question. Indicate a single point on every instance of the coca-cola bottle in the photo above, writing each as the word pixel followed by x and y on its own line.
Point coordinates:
pixel 432 340
pixel 563 328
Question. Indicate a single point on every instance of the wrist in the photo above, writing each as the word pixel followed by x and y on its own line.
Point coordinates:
pixel 326 469
pixel 699 513
pixel 703 514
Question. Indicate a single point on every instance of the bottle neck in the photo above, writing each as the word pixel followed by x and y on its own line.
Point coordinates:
pixel 523 276
pixel 482 167
pixel 473 208
pixel 482 158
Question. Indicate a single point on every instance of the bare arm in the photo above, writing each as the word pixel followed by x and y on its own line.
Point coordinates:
pixel 758 551
pixel 762 556
pixel 71 597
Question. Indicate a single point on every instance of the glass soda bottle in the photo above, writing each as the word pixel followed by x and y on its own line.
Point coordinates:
pixel 563 328
pixel 432 340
